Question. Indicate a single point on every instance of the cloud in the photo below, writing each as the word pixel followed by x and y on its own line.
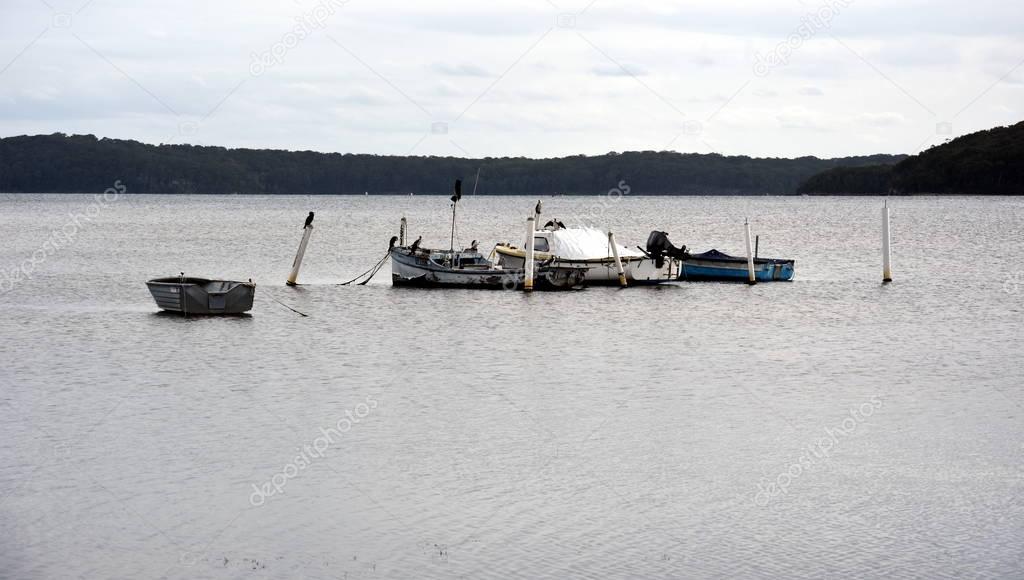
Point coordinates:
pixel 920 52
pixel 862 18
pixel 518 83
pixel 614 70
pixel 460 70
pixel 803 119
pixel 881 119
pixel 702 60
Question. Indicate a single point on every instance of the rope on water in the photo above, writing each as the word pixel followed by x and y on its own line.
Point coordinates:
pixel 379 266
pixel 372 271
pixel 303 314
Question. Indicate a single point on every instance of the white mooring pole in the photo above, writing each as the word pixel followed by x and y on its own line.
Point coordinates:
pixel 618 262
pixel 528 265
pixel 306 232
pixel 886 246
pixel 403 226
pixel 752 277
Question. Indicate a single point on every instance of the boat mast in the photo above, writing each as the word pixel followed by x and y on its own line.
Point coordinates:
pixel 455 203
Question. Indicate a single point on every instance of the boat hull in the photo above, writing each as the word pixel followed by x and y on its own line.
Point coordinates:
pixel 197 296
pixel 602 271
pixel 416 269
pixel 714 266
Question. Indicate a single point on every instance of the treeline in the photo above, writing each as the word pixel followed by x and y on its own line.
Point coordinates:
pixel 61 163
pixel 869 180
pixel 987 162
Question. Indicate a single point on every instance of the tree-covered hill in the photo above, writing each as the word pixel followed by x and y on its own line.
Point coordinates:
pixel 82 163
pixel 987 162
pixel 869 179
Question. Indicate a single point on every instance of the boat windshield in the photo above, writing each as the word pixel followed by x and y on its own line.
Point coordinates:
pixel 458 259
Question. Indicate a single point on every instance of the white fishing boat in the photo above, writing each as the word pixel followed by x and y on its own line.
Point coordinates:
pixel 427 268
pixel 589 248
pixel 413 265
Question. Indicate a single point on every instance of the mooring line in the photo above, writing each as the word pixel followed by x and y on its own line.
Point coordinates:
pixel 372 271
pixel 288 307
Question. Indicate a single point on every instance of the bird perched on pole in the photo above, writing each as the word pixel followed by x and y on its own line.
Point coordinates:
pixel 309 221
pixel 458 191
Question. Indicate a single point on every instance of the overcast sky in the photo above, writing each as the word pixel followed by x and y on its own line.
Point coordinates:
pixel 531 78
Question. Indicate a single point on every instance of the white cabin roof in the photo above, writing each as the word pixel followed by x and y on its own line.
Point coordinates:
pixel 581 243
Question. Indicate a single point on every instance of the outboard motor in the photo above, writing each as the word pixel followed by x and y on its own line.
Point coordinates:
pixel 659 246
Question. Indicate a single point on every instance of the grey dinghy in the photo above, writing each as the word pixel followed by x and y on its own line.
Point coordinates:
pixel 412 266
pixel 201 295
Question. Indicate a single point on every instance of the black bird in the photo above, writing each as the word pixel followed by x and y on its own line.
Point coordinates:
pixel 416 245
pixel 537 209
pixel 394 240
pixel 309 221
pixel 458 191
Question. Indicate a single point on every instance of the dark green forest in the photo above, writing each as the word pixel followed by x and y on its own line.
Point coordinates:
pixel 866 180
pixel 61 163
pixel 987 163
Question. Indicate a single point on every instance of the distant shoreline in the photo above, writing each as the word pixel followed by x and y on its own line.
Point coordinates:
pixel 535 195
pixel 987 162
pixel 61 163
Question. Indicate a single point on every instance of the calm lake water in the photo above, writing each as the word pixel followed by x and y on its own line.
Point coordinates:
pixel 829 427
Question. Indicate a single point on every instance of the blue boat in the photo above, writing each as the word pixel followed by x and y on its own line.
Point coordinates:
pixel 715 266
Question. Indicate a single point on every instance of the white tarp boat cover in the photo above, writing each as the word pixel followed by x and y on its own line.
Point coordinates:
pixel 583 244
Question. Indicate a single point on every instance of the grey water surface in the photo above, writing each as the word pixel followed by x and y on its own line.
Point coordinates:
pixel 829 427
